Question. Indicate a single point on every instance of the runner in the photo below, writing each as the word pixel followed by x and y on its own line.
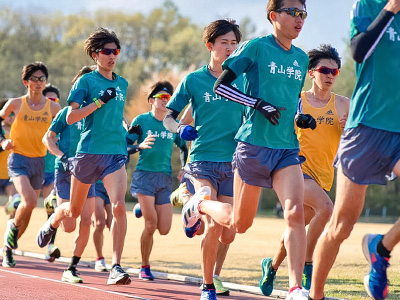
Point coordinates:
pixel 267 152
pixel 319 147
pixel 216 122
pixel 152 182
pixel 369 149
pixel 98 98
pixel 33 114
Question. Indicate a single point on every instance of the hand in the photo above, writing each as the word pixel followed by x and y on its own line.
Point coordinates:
pixel 343 121
pixel 108 95
pixel 180 175
pixel 187 132
pixel 148 141
pixel 135 129
pixel 65 163
pixel 270 112
pixel 6 144
pixel 305 121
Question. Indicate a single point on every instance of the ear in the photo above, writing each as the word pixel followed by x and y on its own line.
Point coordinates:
pixel 209 46
pixel 151 101
pixel 94 57
pixel 25 83
pixel 311 74
pixel 272 16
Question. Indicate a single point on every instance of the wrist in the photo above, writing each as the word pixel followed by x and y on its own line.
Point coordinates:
pixel 97 102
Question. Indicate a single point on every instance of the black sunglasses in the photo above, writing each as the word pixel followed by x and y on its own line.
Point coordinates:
pixel 294 12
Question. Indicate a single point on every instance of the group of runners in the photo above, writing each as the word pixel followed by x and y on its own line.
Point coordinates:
pixel 250 125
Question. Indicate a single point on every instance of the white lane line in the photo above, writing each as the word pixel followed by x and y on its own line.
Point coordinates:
pixel 74 284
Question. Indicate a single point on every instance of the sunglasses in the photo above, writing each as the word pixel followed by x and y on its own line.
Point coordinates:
pixel 53 99
pixel 36 79
pixel 107 51
pixel 162 96
pixel 294 12
pixel 326 71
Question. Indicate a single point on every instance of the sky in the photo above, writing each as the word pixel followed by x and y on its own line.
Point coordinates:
pixel 327 22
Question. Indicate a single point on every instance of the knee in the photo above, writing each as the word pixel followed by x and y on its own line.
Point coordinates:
pixel 340 231
pixel 242 226
pixel 294 216
pixel 68 225
pixel 85 222
pixel 164 231
pixel 74 213
pixel 213 229
pixel 150 227
pixel 100 225
pixel 325 212
pixel 227 236
pixel 118 209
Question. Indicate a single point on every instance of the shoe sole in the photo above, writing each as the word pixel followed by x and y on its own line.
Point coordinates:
pixel 5 265
pixel 100 270
pixel 147 279
pixel 125 280
pixel 366 249
pixel 71 281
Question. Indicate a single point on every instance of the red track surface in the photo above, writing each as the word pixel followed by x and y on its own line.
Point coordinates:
pixel 37 279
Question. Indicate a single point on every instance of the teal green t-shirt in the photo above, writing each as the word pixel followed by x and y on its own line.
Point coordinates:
pixel 276 76
pixel 375 99
pixel 49 162
pixel 68 135
pixel 158 158
pixel 103 132
pixel 216 119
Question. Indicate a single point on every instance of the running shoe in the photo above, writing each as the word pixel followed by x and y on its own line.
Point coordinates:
pixel 11 235
pixel 45 233
pixel 208 295
pixel 8 259
pixel 146 274
pixel 307 274
pixel 376 283
pixel 50 203
pixel 118 276
pixel 178 194
pixel 100 265
pixel 52 253
pixel 297 294
pixel 268 276
pixel 191 231
pixel 219 287
pixel 71 276
pixel 137 210
pixel 190 211
pixel 12 205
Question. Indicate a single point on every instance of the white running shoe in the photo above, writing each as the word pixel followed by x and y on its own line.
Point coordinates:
pixel 190 211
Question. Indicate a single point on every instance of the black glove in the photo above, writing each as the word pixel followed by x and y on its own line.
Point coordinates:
pixel 132 149
pixel 108 95
pixel 305 121
pixel 135 129
pixel 270 112
pixel 65 163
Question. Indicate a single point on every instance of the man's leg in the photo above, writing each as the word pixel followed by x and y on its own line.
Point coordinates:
pixel 289 186
pixel 349 203
pixel 147 207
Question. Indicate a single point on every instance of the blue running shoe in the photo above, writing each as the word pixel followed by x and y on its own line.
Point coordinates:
pixel 191 231
pixel 190 211
pixel 268 277
pixel 376 283
pixel 11 235
pixel 137 210
pixel 208 295
pixel 307 275
pixel 146 274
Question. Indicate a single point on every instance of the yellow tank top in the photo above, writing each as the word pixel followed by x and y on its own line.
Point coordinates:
pixel 3 161
pixel 29 128
pixel 319 146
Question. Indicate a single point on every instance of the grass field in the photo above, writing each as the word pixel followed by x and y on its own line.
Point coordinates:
pixel 175 253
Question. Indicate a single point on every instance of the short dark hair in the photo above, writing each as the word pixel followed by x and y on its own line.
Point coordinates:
pixel 51 88
pixel 221 27
pixel 274 5
pixel 99 38
pixel 325 51
pixel 31 68
pixel 83 71
pixel 160 86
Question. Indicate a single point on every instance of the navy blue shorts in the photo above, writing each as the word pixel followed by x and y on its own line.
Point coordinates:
pixel 220 175
pixel 89 168
pixel 4 183
pixel 31 167
pixel 101 192
pixel 156 184
pixel 62 185
pixel 368 154
pixel 255 164
pixel 48 178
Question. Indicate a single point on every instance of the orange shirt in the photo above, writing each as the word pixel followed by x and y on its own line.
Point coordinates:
pixel 29 128
pixel 319 146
